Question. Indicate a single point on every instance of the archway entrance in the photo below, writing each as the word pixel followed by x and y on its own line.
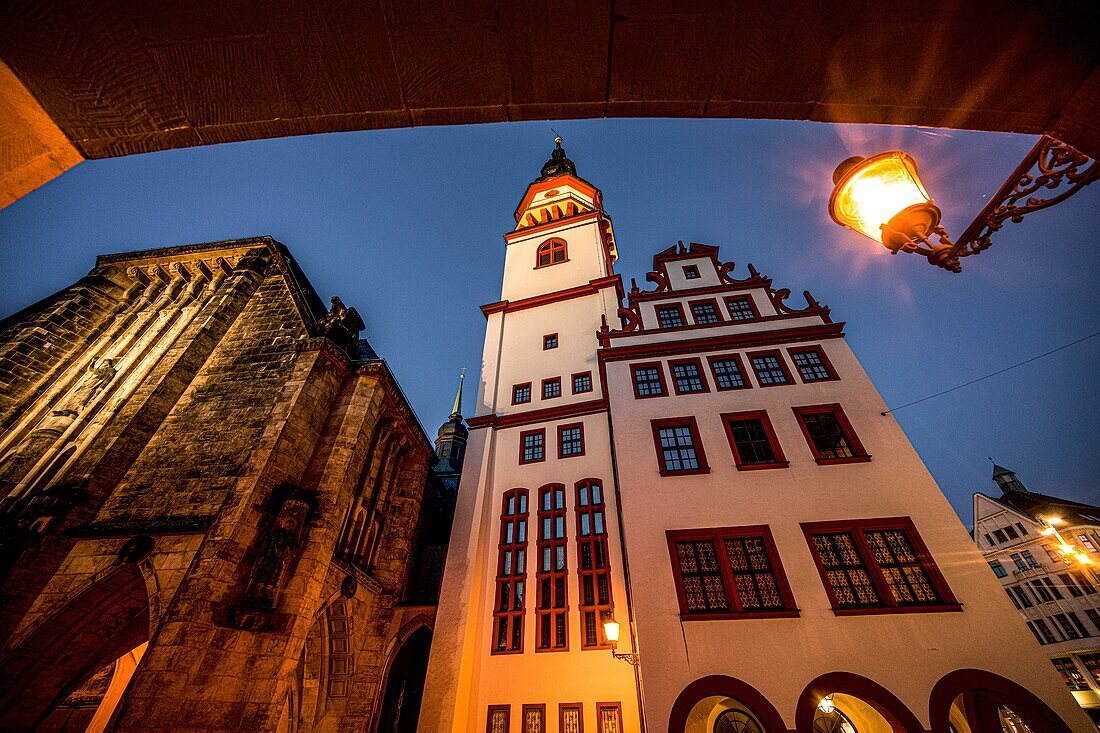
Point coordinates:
pixel 405 684
pixel 97 628
pixel 720 704
pixel 844 702
pixel 975 701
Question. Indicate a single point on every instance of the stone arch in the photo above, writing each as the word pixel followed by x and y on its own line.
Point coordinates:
pixel 900 718
pixel 403 682
pixel 717 685
pixel 985 692
pixel 98 624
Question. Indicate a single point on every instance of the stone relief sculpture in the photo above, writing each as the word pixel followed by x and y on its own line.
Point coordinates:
pixel 278 548
pixel 100 373
pixel 342 325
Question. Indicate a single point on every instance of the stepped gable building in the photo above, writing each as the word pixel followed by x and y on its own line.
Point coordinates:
pixel 1046 553
pixel 702 471
pixel 213 492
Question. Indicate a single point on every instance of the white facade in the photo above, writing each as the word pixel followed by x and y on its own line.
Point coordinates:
pixel 1057 595
pixel 805 460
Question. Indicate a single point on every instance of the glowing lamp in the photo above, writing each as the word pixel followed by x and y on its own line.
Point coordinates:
pixel 1054 520
pixel 826 705
pixel 611 631
pixel 1048 530
pixel 882 197
pixel 1083 558
pixel 1068 549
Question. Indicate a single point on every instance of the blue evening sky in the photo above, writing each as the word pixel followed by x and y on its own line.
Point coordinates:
pixel 406 226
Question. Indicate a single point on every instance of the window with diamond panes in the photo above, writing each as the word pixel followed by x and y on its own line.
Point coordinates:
pixel 687 376
pixel 498 719
pixel 769 369
pixel 741 309
pixel 550 604
pixel 877 564
pixel 829 434
pixel 532 446
pixel 648 381
pixel 811 365
pixel 593 572
pixel 511 574
pixel 728 373
pixel 570 440
pixel 753 441
pixel 705 312
pixel 670 316
pixel 723 573
pixel 570 719
pixel 678 447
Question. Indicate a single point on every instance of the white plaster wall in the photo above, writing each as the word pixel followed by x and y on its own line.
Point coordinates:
pixel 586 261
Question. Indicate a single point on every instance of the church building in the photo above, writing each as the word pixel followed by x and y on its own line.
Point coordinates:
pixel 683 509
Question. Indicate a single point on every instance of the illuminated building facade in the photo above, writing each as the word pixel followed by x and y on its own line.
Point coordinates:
pixel 709 467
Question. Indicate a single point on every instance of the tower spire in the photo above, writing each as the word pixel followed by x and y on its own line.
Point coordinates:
pixel 457 410
pixel 559 164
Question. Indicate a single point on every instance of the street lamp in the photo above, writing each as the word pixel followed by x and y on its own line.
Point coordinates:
pixel 882 197
pixel 1065 549
pixel 827 705
pixel 611 631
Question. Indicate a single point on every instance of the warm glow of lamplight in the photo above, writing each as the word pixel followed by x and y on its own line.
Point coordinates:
pixel 1067 549
pixel 826 705
pixel 611 631
pixel 1083 558
pixel 1054 520
pixel 1048 531
pixel 872 191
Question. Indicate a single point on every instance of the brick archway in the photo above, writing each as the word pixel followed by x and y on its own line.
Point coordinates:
pixel 900 717
pixel 97 625
pixel 983 692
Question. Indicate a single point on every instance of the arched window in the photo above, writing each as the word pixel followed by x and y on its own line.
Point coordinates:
pixel 551 252
pixel 832 722
pixel 511 573
pixel 737 721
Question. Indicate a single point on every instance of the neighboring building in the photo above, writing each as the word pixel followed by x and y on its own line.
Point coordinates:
pixel 718 476
pixel 1044 576
pixel 208 477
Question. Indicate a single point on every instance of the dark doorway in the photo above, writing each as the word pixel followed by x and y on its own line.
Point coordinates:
pixel 405 684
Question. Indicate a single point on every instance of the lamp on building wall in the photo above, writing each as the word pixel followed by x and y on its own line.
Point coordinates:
pixel 827 705
pixel 611 631
pixel 882 198
pixel 1065 549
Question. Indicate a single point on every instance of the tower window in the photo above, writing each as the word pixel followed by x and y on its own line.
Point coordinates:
pixel 830 435
pixel 649 380
pixel 770 369
pixel 551 600
pixel 679 449
pixel 532 446
pixel 582 382
pixel 728 572
pixel 670 316
pixel 551 252
pixel 511 574
pixel 877 565
pixel 741 308
pixel 550 341
pixel 521 393
pixel 753 441
pixel 812 365
pixel 728 372
pixel 691 272
pixel 687 376
pixel 594 572
pixel 551 388
pixel 705 312
pixel 571 440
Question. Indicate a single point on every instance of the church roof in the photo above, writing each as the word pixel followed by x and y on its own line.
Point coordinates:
pixel 1001 471
pixel 1040 506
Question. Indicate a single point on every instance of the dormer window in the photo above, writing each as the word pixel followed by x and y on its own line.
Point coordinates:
pixel 691 272
pixel 551 252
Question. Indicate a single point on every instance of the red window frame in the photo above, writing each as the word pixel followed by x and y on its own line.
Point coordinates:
pixel 541 710
pixel 573 382
pixel 506 709
pixel 712 302
pixel 522 437
pixel 860 454
pixel 546 341
pixel 828 365
pixel 516 388
pixel 592 514
pixel 660 376
pixel 857 527
pixel 657 314
pixel 506 583
pixel 698 364
pixel 548 381
pixel 551 246
pixel 617 708
pixel 782 365
pixel 579 707
pixel 762 415
pixel 563 428
pixel 551 581
pixel 700 454
pixel 740 367
pixel 718 535
pixel 752 306
pixel 691 272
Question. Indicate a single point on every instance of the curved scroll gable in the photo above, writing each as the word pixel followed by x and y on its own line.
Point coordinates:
pixel 631 319
pixel 725 274
pixel 657 278
pixel 813 308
